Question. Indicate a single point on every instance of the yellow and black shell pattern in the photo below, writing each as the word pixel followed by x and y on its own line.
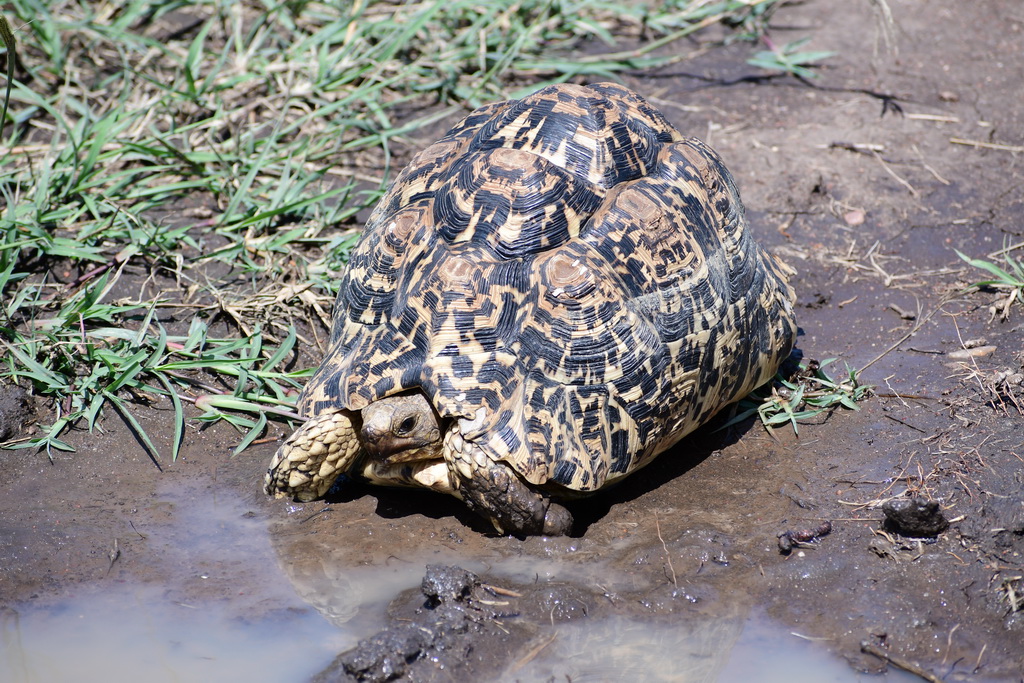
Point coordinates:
pixel 567 276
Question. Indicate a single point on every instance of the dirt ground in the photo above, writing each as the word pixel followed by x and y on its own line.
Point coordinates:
pixel 858 182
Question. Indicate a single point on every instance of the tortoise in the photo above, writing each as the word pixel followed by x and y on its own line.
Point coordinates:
pixel 545 299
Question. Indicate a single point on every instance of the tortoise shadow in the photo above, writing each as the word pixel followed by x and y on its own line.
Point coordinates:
pixel 400 502
pixel 690 452
pixel 714 435
pixel 397 503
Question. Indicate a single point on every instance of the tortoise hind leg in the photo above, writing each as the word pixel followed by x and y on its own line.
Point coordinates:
pixel 308 462
pixel 492 490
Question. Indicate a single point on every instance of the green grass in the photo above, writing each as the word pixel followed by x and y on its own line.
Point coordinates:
pixel 789 58
pixel 806 394
pixel 180 182
pixel 1009 279
pixel 8 39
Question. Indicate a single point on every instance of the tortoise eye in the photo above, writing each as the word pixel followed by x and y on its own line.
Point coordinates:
pixel 406 426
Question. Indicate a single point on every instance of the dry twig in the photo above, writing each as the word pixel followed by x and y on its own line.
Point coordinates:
pixel 899 662
pixel 987 145
pixel 668 557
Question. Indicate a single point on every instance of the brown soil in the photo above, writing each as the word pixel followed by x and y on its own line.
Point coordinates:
pixel 872 234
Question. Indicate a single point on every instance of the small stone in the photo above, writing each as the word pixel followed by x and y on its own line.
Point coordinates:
pixel 914 517
pixel 448 584
pixel 976 352
pixel 949 96
pixel 855 217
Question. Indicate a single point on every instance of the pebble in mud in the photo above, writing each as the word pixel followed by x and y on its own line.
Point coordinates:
pixel 914 517
pixel 971 352
pixel 447 584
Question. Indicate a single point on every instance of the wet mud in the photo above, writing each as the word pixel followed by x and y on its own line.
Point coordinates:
pixel 679 573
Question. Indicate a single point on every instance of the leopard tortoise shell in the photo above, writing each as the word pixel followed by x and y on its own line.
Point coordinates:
pixel 555 292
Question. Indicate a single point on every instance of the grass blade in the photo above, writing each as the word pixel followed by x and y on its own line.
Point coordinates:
pixel 179 416
pixel 137 429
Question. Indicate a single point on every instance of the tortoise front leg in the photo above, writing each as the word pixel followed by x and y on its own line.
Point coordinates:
pixel 308 462
pixel 492 490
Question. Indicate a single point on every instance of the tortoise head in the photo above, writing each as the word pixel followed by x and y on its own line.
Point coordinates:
pixel 401 428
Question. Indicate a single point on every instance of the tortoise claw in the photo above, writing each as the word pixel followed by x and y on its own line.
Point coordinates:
pixel 557 521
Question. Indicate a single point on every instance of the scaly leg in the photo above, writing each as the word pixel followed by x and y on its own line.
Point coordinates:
pixel 492 490
pixel 306 465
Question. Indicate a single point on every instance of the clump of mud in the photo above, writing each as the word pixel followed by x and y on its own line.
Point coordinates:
pixel 16 411
pixel 914 517
pixel 455 627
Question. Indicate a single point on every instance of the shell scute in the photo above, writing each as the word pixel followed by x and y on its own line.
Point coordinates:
pixel 513 202
pixel 591 132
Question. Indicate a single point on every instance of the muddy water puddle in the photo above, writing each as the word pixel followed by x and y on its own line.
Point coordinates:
pixel 751 649
pixel 245 602
pixel 127 633
pixel 124 633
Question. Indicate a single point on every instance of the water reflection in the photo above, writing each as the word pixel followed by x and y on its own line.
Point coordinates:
pixel 687 651
pixel 127 633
